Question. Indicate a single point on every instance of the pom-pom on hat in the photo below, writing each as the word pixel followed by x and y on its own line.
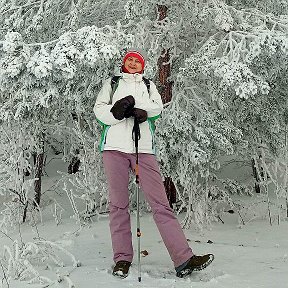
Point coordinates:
pixel 135 52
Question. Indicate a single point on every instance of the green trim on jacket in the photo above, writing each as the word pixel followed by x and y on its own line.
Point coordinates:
pixel 105 128
pixel 152 128
pixel 104 132
pixel 154 117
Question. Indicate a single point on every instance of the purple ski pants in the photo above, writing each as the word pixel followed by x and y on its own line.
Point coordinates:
pixel 117 166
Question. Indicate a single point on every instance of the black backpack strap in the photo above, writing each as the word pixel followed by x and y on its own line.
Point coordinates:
pixel 114 85
pixel 147 83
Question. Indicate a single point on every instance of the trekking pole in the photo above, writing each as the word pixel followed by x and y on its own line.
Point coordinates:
pixel 136 131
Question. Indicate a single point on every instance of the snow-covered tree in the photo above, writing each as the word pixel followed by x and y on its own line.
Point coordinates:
pixel 52 88
pixel 228 66
pixel 43 21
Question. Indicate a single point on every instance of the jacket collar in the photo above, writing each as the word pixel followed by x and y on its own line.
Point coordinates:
pixel 132 77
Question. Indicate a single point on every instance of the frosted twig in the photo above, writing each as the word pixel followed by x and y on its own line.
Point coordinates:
pixel 6 235
pixel 4 275
pixel 76 263
pixel 21 7
pixel 42 44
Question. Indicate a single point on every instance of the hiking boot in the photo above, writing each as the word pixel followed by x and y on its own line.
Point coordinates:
pixel 121 269
pixel 196 263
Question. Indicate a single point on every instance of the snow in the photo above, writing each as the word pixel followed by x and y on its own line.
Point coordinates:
pixel 254 256
pixel 244 61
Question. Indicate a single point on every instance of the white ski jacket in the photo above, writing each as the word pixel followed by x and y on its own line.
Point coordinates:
pixel 117 135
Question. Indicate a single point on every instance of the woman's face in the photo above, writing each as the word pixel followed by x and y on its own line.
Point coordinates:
pixel 133 65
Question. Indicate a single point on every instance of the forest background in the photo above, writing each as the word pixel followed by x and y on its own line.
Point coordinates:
pixel 221 69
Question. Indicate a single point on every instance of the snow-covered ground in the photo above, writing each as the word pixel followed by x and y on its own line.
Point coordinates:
pixel 253 256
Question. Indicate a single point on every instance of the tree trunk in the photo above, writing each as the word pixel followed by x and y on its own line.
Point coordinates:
pixel 164 69
pixel 38 174
pixel 170 191
pixel 74 165
pixel 256 177
pixel 286 158
pixel 165 89
pixel 75 161
pixel 25 212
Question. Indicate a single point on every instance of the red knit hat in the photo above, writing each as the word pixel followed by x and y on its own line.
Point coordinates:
pixel 135 53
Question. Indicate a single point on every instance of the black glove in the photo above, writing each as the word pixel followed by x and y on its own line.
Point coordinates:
pixel 129 112
pixel 121 106
pixel 139 114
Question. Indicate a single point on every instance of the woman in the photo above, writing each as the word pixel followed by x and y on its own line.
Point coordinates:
pixel 115 108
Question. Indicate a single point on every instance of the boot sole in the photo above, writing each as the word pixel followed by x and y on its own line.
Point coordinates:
pixel 188 271
pixel 121 276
